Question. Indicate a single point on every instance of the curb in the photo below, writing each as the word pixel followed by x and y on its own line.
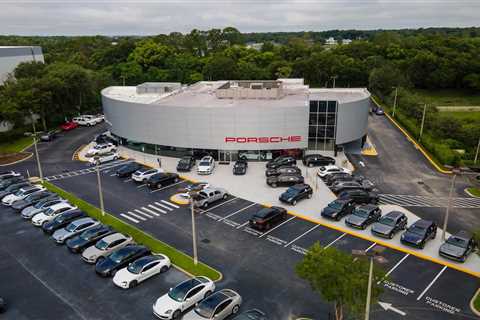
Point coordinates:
pixel 469 193
pixel 75 156
pixel 18 161
pixel 472 305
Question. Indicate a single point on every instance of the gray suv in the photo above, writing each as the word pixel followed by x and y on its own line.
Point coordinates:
pixel 208 196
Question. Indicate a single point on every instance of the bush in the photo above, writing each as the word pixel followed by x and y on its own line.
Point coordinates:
pixel 11 135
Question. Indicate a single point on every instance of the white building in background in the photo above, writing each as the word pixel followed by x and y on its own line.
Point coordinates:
pixel 331 41
pixel 10 57
pixel 346 41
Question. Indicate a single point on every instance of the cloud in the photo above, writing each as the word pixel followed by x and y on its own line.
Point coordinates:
pixel 68 17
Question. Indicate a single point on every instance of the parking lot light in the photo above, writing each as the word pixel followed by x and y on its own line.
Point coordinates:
pixel 476 153
pixel 99 181
pixel 395 101
pixel 40 173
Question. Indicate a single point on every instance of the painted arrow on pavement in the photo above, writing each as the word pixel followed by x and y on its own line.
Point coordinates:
pixel 388 306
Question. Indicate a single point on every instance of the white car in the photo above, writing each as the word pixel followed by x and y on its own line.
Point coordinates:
pixel 326 170
pixel 143 174
pixel 21 194
pixel 208 196
pixel 82 121
pixel 206 165
pixel 183 296
pixel 106 157
pixel 8 174
pixel 105 246
pixel 140 270
pixel 100 149
pixel 75 227
pixel 218 306
pixel 97 118
pixel 45 216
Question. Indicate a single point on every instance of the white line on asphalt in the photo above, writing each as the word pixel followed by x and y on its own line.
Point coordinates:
pixel 113 175
pixel 431 283
pixel 129 218
pixel 395 266
pixel 373 245
pixel 136 216
pixel 303 234
pixel 143 213
pixel 250 205
pixel 170 204
pixel 331 243
pixel 150 211
pixel 243 225
pixel 128 180
pixel 281 224
pixel 166 187
pixel 221 204
pixel 158 209
pixel 141 186
pixel 164 207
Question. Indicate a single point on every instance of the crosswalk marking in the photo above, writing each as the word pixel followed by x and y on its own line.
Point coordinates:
pixel 103 167
pixel 143 213
pixel 169 203
pixel 129 218
pixel 150 211
pixel 136 216
pixel 163 206
pixel 423 201
pixel 158 209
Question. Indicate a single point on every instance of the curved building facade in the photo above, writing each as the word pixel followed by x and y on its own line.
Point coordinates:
pixel 257 119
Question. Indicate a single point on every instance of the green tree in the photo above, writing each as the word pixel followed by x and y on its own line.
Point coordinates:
pixel 382 79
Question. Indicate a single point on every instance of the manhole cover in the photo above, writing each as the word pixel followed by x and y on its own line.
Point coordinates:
pixel 205 241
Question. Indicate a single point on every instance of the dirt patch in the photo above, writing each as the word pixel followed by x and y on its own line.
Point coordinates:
pixel 10 158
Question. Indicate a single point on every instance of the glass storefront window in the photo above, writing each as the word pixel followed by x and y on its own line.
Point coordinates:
pixel 322 124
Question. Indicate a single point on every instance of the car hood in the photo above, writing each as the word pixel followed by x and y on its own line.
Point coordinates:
pixel 182 165
pixel 39 216
pixel 92 251
pixel 4 193
pixel 452 250
pixel 165 303
pixel 124 275
pixel 192 315
pixel 31 213
pixel 412 237
pixel 204 167
pixel 382 228
pixel 329 211
pixel 29 209
pixel 20 203
pixel 355 220
pixel 61 233
pixel 9 198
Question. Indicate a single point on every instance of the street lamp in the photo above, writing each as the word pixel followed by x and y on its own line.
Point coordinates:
pixel 192 193
pixel 334 77
pixel 476 153
pixel 423 121
pixel 395 101
pixel 374 254
pixel 99 181
pixel 40 173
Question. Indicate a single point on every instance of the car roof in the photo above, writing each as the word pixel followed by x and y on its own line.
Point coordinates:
pixel 114 237
pixel 368 206
pixel 82 221
pixel 211 189
pixel 394 214
pixel 423 223
pixel 147 259
pixel 60 205
pixel 462 234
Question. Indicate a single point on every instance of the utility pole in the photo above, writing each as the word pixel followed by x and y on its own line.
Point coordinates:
pixel 40 173
pixel 194 231
pixel 476 153
pixel 123 79
pixel 395 102
pixel 334 77
pixel 449 205
pixel 423 121
pixel 99 181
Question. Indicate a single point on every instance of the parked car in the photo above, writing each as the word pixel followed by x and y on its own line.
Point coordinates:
pixel 48 136
pixel 458 246
pixel 140 270
pixel 100 149
pixel 419 233
pixel 287 170
pixel 208 196
pixel 40 206
pixel 219 306
pixel 379 112
pixel 240 167
pixel 390 224
pixel 82 121
pixel 13 188
pixel 323 172
pixel 296 193
pixel 185 164
pixel 105 246
pixel 360 196
pixel 266 218
pixel 314 160
pixel 8 182
pixel 284 180
pixel 183 296
pixel 128 169
pixel 8 174
pixel 119 259
pixel 338 208
pixel 98 118
pixel 32 199
pixel 104 157
pixel 340 186
pixel 69 125
pixel 43 217
pixel 363 216
pixel 87 238
pixel 22 193
pixel 253 314
pixel 74 228
pixel 206 165
pixel 142 175
pixel 62 220
pixel 281 161
pixel 333 178
pixel 159 180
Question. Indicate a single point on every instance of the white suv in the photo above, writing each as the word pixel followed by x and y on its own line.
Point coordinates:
pixel 105 157
pixel 83 121
pixel 206 165
pixel 143 174
pixel 100 149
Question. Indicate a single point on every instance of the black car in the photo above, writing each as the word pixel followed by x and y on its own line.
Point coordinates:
pixel 185 164
pixel 458 246
pixel 62 220
pixel 8 182
pixel 48 136
pixel 162 179
pixel 8 175
pixel 296 193
pixel 315 160
pixel 390 224
pixel 284 180
pixel 13 188
pixel 31 200
pixel 281 161
pixel 331 178
pixel 240 167
pixel 253 314
pixel 128 169
pixel 283 170
pixel 359 196
pixel 344 177
pixel 338 208
pixel 266 218
pixel 419 233
pixel 363 216
pixel 340 186
pixel 120 259
pixel 88 237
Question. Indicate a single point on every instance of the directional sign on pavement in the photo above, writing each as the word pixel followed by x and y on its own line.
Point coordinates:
pixel 388 307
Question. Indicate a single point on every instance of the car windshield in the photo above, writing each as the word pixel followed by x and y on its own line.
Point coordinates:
pixel 335 205
pixel 89 233
pixel 263 213
pixel 206 308
pixel 458 242
pixel 387 221
pixel 204 163
pixel 71 227
pixel 179 292
pixel 19 193
pixel 184 160
pixel 417 230
pixel 361 213
pixel 292 191
pixel 136 267
pixel 102 245
pixel 49 211
pixel 119 255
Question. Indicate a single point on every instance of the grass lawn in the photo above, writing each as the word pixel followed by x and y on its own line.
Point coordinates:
pixel 471 116
pixel 476 304
pixel 447 97
pixel 15 146
pixel 474 191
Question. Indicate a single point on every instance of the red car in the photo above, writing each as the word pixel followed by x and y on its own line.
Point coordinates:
pixel 70 125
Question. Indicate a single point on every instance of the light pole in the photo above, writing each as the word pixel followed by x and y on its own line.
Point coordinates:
pixel 194 231
pixel 334 77
pixel 423 121
pixel 395 101
pixel 99 181
pixel 476 153
pixel 40 173
pixel 123 80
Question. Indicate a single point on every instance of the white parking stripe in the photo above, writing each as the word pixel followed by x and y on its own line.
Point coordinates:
pixel 150 211
pixel 170 204
pixel 221 204
pixel 128 180
pixel 281 224
pixel 164 207
pixel 141 186
pixel 166 187
pixel 395 266
pixel 250 205
pixel 331 243
pixel 143 213
pixel 431 283
pixel 136 216
pixel 129 218
pixel 113 175
pixel 373 245
pixel 303 234
pixel 158 209
pixel 243 225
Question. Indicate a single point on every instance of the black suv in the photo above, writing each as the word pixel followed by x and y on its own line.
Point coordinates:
pixel 338 208
pixel 363 216
pixel 296 193
pixel 340 186
pixel 128 169
pixel 315 160
pixel 62 220
pixel 7 183
pixel 266 218
pixel 119 259
pixel 185 164
pixel 390 224
pixel 88 238
pixel 283 170
pixel 284 180
pixel 419 233
pixel 162 179
pixel 240 167
pixel 458 246
pixel 359 196
pixel 281 161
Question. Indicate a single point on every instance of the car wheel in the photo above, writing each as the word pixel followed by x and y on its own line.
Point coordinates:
pixel 113 272
pixel 175 180
pixel 390 235
pixel 235 309
pixel 176 314
pixel 164 269
pixel 294 202
pixel 207 294
pixel 267 226
pixel 434 235
pixel 309 196
pixel 310 165
pixel 133 284
pixel 115 158
pixel 159 185
pixel 205 205
pixel 422 245
pixel 225 196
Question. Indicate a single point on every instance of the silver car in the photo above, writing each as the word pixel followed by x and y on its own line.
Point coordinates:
pixel 218 306
pixel 105 246
pixel 40 206
pixel 74 228
pixel 208 196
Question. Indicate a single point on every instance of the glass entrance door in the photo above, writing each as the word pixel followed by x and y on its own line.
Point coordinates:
pixel 224 156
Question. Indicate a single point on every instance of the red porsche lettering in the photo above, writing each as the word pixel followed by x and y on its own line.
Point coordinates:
pixel 263 139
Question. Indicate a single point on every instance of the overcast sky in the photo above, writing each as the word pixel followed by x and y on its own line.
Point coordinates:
pixel 68 17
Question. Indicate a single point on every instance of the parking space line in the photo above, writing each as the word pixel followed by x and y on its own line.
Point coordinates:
pixel 166 187
pixel 136 216
pixel 303 234
pixel 395 266
pixel 250 205
pixel 158 209
pixel 373 245
pixel 431 283
pixel 243 225
pixel 113 175
pixel 170 204
pixel 281 224
pixel 221 204
pixel 141 186
pixel 164 207
pixel 143 213
pixel 129 218
pixel 331 243
pixel 128 180
pixel 150 211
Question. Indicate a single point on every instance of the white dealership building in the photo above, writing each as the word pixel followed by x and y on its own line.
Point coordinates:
pixel 228 119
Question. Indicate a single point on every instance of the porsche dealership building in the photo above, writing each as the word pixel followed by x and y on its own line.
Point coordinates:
pixel 228 119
